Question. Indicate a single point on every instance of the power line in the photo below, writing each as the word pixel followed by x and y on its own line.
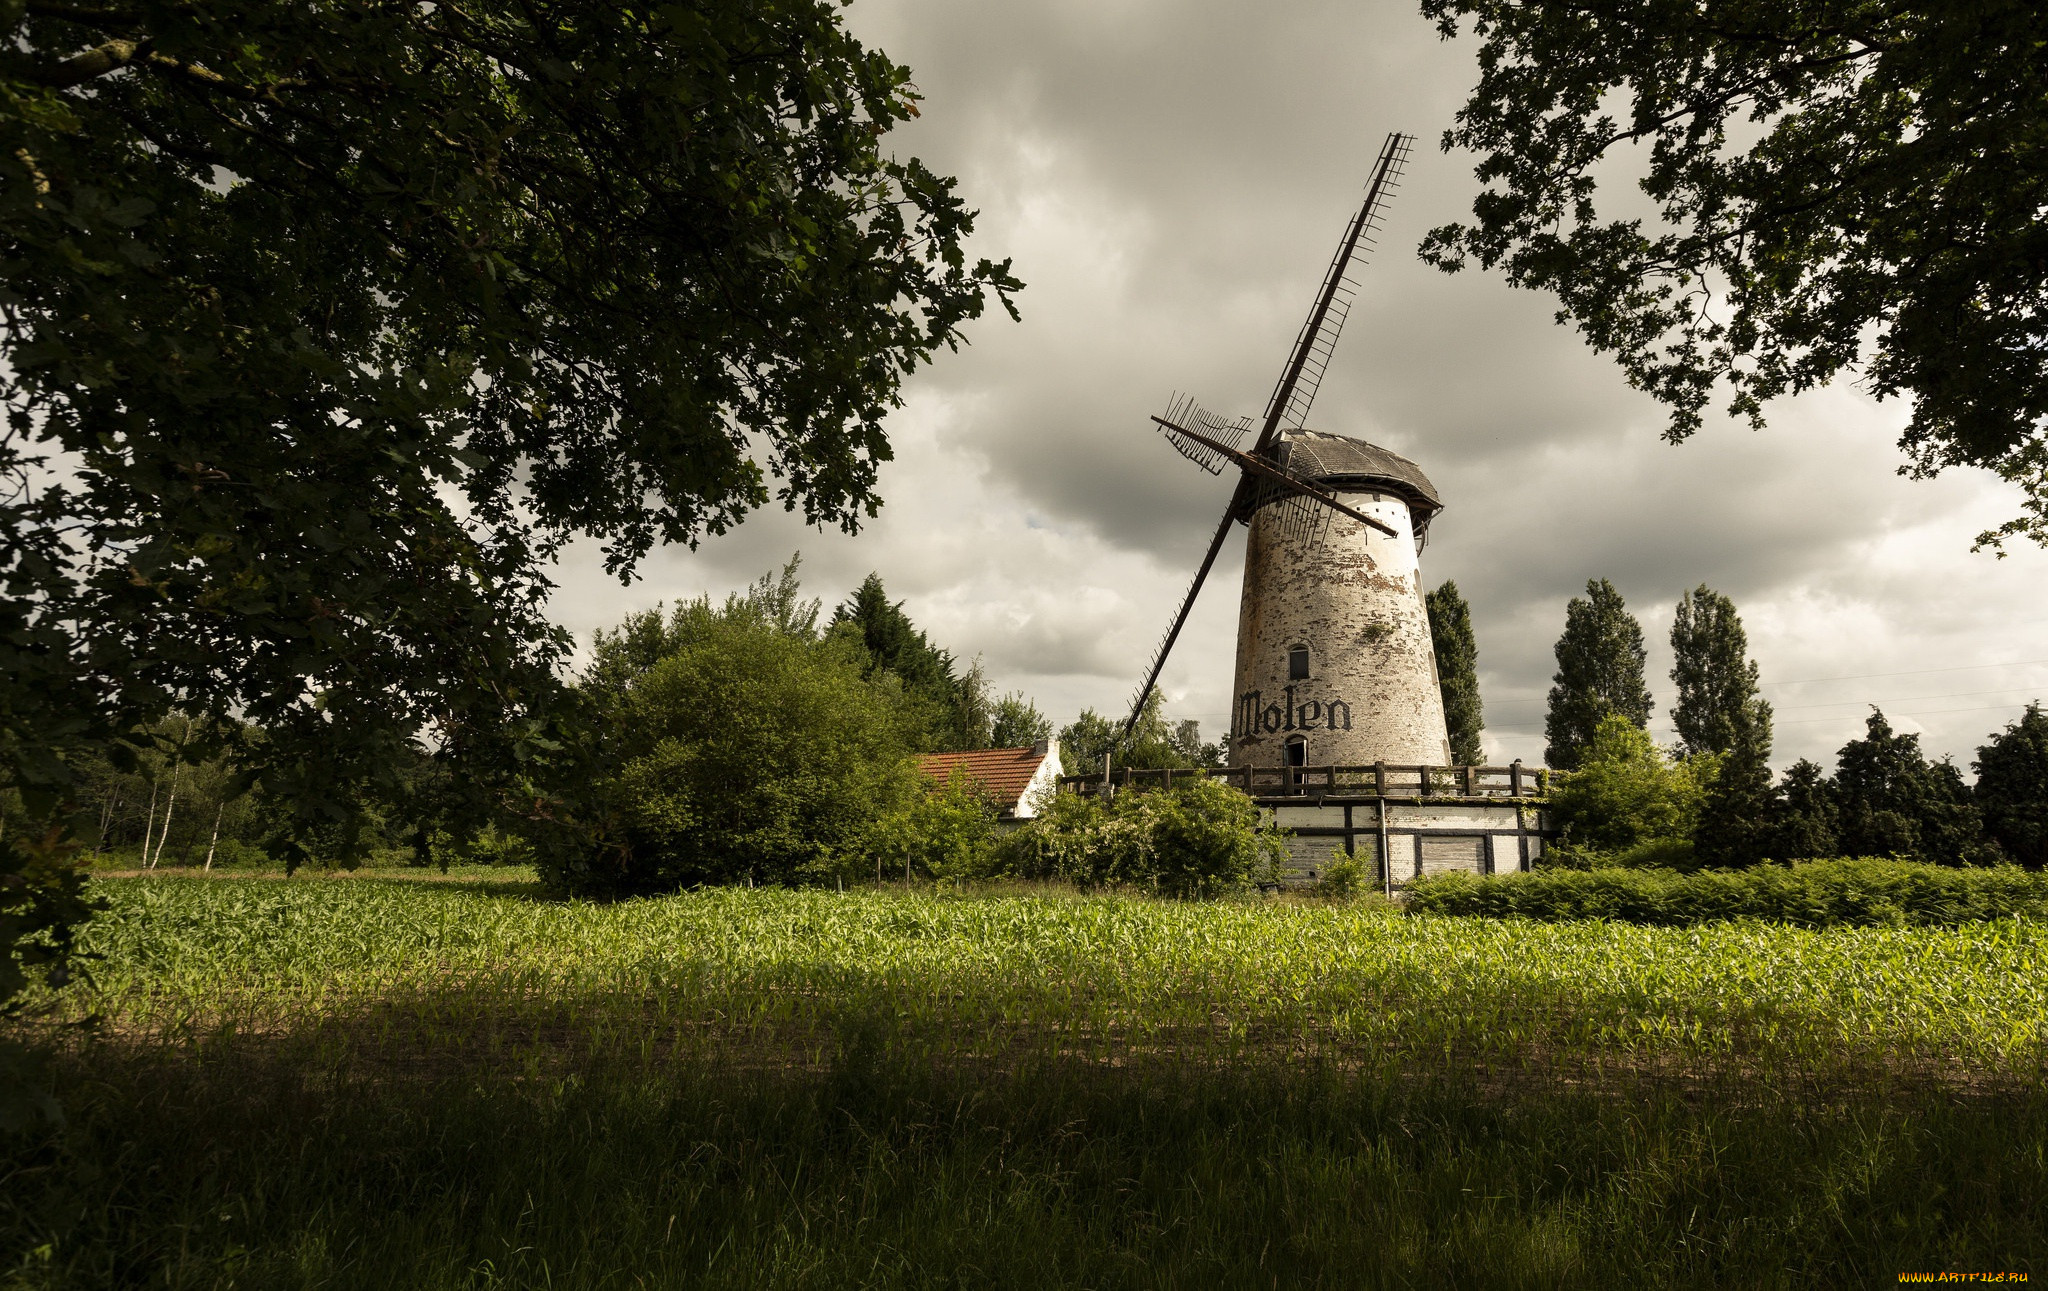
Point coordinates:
pixel 1866 676
pixel 1985 708
pixel 1981 708
pixel 1910 699
pixel 1922 672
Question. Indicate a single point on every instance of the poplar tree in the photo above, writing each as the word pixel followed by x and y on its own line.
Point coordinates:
pixel 1457 670
pixel 1719 712
pixel 1599 671
pixel 1718 708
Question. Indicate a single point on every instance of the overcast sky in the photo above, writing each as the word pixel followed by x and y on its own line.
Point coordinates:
pixel 1170 178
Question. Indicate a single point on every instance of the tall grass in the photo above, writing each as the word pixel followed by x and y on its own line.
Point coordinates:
pixel 377 1083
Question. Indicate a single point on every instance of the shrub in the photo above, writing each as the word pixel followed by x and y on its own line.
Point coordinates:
pixel 947 833
pixel 1651 853
pixel 751 753
pixel 1814 894
pixel 1346 878
pixel 1199 839
pixel 1625 794
pixel 488 846
pixel 1053 844
pixel 1205 839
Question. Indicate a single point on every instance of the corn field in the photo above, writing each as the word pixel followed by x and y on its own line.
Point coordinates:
pixel 1100 977
pixel 382 1081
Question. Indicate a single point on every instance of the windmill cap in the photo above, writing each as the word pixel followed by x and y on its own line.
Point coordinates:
pixel 1340 463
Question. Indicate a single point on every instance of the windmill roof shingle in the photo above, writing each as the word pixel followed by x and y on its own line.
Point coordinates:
pixel 1339 461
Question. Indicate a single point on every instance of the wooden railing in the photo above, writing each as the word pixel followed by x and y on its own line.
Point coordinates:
pixel 1379 780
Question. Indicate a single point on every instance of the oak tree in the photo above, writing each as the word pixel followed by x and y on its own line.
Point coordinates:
pixel 326 325
pixel 1824 187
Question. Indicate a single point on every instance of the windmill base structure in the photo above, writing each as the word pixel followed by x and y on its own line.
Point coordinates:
pixel 1334 659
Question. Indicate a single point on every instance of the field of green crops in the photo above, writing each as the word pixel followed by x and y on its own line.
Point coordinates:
pixel 381 1082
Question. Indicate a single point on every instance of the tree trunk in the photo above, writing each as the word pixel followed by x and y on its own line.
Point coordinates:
pixel 106 822
pixel 211 843
pixel 149 821
pixel 170 805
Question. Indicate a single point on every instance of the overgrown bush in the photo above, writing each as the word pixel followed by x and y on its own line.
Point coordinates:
pixel 1651 853
pixel 1629 804
pixel 1200 838
pixel 1345 878
pixel 751 753
pixel 947 833
pixel 487 846
pixel 1813 894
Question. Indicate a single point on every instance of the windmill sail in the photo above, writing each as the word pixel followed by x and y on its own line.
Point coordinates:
pixel 1183 412
pixel 1165 646
pixel 1303 375
pixel 1304 518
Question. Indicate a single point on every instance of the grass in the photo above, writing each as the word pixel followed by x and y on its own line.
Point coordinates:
pixel 390 1082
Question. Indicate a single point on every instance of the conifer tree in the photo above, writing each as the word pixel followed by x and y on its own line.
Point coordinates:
pixel 956 709
pixel 1894 802
pixel 893 641
pixel 1718 708
pixel 1808 818
pixel 2012 787
pixel 1599 671
pixel 1457 670
pixel 1739 820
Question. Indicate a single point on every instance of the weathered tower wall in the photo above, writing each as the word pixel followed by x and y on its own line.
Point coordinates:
pixel 1355 600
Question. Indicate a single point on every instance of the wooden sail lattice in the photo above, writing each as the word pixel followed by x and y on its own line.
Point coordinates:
pixel 1288 407
pixel 1183 411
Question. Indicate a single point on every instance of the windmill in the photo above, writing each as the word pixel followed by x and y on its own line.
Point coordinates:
pixel 1289 480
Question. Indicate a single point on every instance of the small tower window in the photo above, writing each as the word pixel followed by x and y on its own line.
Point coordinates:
pixel 1297 663
pixel 1297 752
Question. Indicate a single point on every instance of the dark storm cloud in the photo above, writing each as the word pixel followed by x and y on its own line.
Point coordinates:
pixel 1171 179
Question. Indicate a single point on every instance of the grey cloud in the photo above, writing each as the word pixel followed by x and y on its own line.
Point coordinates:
pixel 1171 178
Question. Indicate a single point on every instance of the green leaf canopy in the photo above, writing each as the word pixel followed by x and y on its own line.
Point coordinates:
pixel 1837 186
pixel 327 323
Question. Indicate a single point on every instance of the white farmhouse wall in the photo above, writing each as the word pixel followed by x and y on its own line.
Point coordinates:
pixel 1045 782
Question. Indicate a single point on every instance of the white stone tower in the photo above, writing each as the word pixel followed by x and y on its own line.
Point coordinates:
pixel 1334 660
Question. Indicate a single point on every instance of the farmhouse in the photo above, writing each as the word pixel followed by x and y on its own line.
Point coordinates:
pixel 1017 779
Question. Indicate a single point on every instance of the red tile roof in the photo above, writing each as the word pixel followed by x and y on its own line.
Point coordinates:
pixel 1003 772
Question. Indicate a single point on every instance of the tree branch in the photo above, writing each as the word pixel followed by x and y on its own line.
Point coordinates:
pixel 92 64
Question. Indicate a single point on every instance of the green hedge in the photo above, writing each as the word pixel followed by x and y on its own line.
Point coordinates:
pixel 1813 894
